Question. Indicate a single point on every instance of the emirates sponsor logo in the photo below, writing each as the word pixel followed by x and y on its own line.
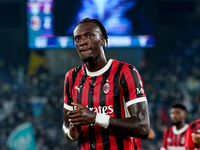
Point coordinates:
pixel 107 110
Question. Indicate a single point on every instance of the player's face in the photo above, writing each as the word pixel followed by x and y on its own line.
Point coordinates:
pixel 88 41
pixel 177 115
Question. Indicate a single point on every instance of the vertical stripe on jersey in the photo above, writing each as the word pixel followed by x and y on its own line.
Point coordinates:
pixel 96 105
pixel 179 141
pixel 67 87
pixel 164 144
pixel 178 137
pixel 174 140
pixel 107 100
pixel 103 102
pixel 85 88
pixel 125 90
pixel 138 82
pixel 84 144
pixel 117 104
pixel 116 91
pixel 169 135
pixel 74 76
pixel 91 129
pixel 109 76
pixel 166 137
pixel 81 143
pixel 131 88
pixel 67 95
pixel 80 91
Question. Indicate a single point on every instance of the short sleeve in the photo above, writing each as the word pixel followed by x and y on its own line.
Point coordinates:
pixel 188 138
pixel 67 91
pixel 164 143
pixel 132 86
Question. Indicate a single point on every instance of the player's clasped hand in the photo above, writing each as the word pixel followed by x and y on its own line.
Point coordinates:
pixel 81 116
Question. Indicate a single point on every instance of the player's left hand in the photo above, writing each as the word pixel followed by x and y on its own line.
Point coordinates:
pixel 196 138
pixel 81 116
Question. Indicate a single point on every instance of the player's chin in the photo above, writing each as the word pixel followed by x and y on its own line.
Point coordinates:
pixel 87 59
pixel 175 123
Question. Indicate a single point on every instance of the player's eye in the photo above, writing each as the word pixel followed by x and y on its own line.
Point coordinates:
pixel 89 35
pixel 76 39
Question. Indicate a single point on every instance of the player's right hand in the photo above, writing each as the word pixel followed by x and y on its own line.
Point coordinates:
pixel 81 116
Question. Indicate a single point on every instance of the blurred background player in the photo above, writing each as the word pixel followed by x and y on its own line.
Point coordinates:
pixel 174 136
pixel 193 134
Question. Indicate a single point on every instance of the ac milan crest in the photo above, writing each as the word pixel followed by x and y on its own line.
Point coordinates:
pixel 106 88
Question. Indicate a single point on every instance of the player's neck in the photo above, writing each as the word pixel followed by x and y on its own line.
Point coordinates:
pixel 96 64
pixel 180 125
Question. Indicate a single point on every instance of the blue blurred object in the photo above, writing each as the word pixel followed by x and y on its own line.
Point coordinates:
pixel 22 138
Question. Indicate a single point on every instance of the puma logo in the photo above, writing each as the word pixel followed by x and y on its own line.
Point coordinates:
pixel 78 88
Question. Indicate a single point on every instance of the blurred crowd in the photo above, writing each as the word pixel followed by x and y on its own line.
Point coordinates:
pixel 37 99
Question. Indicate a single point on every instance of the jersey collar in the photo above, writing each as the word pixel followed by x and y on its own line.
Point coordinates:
pixel 101 71
pixel 183 129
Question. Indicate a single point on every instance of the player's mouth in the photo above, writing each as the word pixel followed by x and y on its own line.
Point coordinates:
pixel 85 52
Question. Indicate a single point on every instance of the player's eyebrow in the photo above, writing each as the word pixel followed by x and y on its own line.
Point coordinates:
pixel 86 33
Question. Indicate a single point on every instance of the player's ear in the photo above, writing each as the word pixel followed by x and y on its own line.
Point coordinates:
pixel 103 40
pixel 185 115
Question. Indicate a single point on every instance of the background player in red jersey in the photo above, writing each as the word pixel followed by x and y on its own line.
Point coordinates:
pixel 104 99
pixel 193 134
pixel 174 136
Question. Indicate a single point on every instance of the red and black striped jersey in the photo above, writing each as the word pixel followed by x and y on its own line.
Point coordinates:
pixel 174 139
pixel 108 91
pixel 137 143
pixel 194 127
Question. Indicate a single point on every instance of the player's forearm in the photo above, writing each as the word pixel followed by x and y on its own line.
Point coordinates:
pixel 130 127
pixel 137 125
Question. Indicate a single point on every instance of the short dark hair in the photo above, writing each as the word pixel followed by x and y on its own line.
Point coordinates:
pixel 98 23
pixel 179 105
